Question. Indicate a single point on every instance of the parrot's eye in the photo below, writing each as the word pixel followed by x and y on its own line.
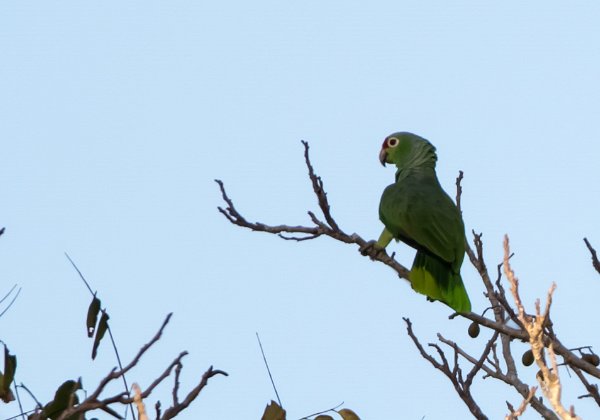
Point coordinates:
pixel 393 142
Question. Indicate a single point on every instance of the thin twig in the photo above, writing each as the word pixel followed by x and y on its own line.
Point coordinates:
pixel 22 414
pixel 591 388
pixel 8 293
pixel 595 261
pixel 18 397
pixel 80 274
pixel 12 300
pixel 268 370
pixel 459 190
pixel 175 392
pixel 38 404
pixel 114 345
pixel 322 412
pixel 515 414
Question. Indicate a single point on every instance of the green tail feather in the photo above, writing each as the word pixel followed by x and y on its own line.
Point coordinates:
pixel 434 278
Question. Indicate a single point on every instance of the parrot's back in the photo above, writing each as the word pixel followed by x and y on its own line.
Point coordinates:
pixel 416 210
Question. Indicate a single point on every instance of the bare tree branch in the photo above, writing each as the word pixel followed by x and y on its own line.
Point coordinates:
pixel 328 228
pixel 463 388
pixel 591 388
pixel 191 396
pixel 548 377
pixel 496 298
pixel 501 306
pixel 494 370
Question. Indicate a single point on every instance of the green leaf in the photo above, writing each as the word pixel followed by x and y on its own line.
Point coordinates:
pixel 348 414
pixel 6 394
pixel 92 316
pixel 10 366
pixel 102 327
pixel 273 412
pixel 64 397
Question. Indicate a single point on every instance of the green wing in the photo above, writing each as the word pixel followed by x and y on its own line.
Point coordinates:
pixel 422 215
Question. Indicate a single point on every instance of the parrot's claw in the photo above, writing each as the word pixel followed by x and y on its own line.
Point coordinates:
pixel 371 249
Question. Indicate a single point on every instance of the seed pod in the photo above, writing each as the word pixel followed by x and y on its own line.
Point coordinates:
pixel 527 358
pixel 473 329
pixel 591 358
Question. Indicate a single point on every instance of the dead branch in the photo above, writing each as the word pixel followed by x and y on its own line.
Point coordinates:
pixel 329 227
pixel 498 301
pixel 176 408
pixel 502 307
pixel 462 387
pixel 535 326
pixel 591 388
pixel 139 402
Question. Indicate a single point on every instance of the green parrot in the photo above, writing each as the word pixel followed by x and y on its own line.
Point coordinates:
pixel 416 210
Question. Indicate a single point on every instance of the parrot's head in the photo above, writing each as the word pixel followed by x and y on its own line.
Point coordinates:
pixel 405 149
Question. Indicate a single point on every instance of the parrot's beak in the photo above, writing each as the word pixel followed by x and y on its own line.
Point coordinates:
pixel 382 156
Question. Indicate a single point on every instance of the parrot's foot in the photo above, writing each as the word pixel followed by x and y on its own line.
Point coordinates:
pixel 371 249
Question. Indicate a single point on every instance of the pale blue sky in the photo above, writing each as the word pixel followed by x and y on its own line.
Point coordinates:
pixel 116 117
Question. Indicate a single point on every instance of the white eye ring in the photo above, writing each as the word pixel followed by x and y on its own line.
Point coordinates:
pixel 393 142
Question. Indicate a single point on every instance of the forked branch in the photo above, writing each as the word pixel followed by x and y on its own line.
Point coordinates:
pixel 327 227
pixel 454 372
